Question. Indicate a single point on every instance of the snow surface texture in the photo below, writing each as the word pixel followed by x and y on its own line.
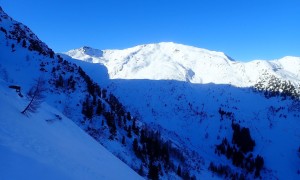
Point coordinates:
pixel 170 61
pixel 44 146
pixel 193 85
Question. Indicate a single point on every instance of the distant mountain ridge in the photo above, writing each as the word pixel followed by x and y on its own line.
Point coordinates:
pixel 171 61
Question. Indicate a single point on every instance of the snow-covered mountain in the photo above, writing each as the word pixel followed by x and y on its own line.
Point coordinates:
pixel 170 61
pixel 200 96
pixel 168 111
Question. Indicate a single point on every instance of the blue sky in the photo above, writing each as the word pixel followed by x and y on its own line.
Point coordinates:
pixel 243 29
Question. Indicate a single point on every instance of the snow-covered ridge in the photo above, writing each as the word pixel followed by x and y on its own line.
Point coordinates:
pixel 171 61
pixel 15 30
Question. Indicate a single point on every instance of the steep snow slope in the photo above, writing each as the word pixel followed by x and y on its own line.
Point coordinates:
pixel 43 146
pixel 46 144
pixel 170 61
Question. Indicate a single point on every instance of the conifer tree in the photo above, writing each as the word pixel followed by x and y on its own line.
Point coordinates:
pixel 153 172
pixel 129 132
pixel 141 170
pixel 35 96
pixel 179 170
pixel 24 43
pixel 123 140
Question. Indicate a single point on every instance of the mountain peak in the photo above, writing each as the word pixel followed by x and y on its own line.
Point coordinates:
pixel 86 47
pixel 87 51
